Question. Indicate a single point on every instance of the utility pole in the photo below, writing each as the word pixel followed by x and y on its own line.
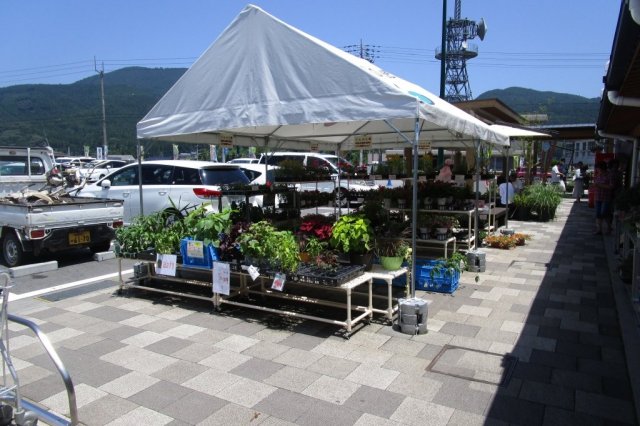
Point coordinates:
pixel 104 113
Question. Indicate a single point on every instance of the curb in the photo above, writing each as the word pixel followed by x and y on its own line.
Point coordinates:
pixel 21 271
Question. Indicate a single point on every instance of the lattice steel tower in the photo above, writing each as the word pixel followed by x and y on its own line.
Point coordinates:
pixel 459 50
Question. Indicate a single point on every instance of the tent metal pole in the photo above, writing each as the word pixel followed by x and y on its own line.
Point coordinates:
pixel 414 209
pixel 140 177
pixel 506 204
pixel 477 191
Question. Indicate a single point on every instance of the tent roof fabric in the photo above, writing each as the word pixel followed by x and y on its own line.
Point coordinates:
pixel 266 83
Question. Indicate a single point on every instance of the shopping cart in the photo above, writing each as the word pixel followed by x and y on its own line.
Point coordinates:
pixel 11 409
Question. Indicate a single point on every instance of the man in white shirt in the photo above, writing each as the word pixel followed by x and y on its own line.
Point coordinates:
pixel 557 177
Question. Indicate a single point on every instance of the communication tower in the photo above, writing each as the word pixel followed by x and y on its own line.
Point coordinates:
pixel 458 51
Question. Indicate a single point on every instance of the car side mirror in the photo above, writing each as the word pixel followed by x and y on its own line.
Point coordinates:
pixel 105 184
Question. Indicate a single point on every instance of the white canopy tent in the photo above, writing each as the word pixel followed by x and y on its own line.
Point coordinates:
pixel 265 83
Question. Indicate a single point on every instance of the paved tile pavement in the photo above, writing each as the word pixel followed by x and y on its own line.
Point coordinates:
pixel 536 340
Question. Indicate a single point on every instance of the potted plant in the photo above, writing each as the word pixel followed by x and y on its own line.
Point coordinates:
pixel 392 253
pixel 541 200
pixel 500 241
pixel 353 235
pixel 263 244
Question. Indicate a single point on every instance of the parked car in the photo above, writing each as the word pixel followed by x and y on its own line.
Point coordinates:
pixel 98 169
pixel 256 173
pixel 347 191
pixel 243 161
pixel 69 162
pixel 172 186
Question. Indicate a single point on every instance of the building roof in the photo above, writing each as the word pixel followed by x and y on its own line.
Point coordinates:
pixel 623 77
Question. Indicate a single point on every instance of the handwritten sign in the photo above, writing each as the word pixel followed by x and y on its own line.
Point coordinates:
pixel 424 145
pixel 221 278
pixel 362 141
pixel 166 264
pixel 226 140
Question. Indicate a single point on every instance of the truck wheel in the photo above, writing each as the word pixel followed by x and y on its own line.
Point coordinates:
pixel 103 246
pixel 341 197
pixel 12 253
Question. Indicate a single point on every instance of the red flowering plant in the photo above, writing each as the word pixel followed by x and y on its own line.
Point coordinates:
pixel 313 236
pixel 316 225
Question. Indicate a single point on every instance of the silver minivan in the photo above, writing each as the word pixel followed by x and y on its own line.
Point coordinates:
pixel 171 186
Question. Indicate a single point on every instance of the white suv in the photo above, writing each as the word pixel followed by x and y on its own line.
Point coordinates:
pixel 181 182
pixel 349 188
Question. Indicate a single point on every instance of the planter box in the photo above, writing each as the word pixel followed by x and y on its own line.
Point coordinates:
pixel 191 259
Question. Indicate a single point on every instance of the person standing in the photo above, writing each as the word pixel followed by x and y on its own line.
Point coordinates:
pixel 506 191
pixel 602 197
pixel 578 183
pixel 557 176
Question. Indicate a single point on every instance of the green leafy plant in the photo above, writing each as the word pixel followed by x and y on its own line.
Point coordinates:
pixel 456 262
pixel 263 241
pixel 352 234
pixel 149 233
pixel 208 227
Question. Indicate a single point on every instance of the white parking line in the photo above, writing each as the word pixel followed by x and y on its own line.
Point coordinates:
pixel 14 296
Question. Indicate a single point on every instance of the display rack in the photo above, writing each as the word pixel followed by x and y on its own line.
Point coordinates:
pixel 242 286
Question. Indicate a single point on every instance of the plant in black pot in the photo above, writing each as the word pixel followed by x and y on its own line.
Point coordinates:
pixel 542 200
pixel 353 235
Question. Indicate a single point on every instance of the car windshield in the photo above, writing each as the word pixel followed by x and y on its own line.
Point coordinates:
pixel 222 176
pixel 92 164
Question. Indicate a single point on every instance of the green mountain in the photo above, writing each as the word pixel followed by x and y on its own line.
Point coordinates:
pixel 69 116
pixel 561 108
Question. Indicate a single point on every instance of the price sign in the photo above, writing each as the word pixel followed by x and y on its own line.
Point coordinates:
pixel 195 249
pixel 166 264
pixel 226 140
pixel 254 272
pixel 278 281
pixel 221 278
pixel 362 141
pixel 314 147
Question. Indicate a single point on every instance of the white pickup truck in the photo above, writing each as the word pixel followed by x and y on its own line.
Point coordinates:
pixel 36 214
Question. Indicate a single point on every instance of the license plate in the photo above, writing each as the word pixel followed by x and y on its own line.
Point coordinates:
pixel 76 238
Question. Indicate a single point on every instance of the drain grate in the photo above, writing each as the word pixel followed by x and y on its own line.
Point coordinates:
pixel 76 291
pixel 472 364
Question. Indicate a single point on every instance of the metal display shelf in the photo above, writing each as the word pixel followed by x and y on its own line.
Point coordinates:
pixel 242 287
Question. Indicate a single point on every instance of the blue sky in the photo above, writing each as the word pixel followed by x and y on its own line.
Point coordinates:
pixel 554 45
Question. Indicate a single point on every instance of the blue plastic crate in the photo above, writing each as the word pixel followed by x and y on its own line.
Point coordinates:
pixel 423 267
pixel 441 281
pixel 209 254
